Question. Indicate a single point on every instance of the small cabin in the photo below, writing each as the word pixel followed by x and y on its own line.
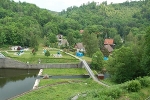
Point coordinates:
pixel 100 76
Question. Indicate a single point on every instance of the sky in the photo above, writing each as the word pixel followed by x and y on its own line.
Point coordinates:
pixel 59 5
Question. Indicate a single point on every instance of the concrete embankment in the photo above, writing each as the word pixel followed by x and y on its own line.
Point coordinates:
pixel 10 63
pixel 37 81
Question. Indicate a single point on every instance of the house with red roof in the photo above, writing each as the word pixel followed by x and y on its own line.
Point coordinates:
pixel 109 42
pixel 109 45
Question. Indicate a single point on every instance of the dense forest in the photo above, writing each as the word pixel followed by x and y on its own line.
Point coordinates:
pixel 22 23
pixel 127 23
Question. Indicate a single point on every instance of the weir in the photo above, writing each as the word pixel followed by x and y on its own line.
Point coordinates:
pixel 10 63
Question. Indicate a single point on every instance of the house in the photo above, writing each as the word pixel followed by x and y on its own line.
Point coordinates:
pixel 15 48
pixel 108 48
pixel 80 47
pixel 63 42
pixel 109 42
pixel 59 37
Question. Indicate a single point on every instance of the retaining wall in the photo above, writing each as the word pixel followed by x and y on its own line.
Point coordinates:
pixel 10 63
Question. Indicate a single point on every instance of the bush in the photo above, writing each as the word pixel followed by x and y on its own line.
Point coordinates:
pixel 145 81
pixel 133 86
pixel 47 53
pixel 114 92
pixel 104 94
pixel 102 97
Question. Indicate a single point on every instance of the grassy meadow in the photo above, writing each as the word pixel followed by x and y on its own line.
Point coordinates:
pixel 27 56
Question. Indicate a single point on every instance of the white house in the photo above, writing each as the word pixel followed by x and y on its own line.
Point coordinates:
pixel 14 48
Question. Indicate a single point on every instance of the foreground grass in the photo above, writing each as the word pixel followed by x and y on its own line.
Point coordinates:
pixel 61 91
pixel 86 89
pixel 124 91
pixel 65 71
pixel 140 95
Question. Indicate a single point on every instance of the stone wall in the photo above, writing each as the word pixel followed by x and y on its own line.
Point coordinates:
pixel 10 63
pixel 2 62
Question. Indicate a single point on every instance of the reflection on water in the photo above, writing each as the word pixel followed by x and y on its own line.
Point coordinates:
pixel 16 81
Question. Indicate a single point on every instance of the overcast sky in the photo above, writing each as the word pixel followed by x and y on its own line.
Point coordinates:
pixel 59 5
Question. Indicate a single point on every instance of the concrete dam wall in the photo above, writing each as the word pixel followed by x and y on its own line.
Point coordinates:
pixel 10 63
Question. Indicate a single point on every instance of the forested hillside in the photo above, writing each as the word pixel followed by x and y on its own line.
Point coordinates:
pixel 127 23
pixel 111 19
pixel 22 23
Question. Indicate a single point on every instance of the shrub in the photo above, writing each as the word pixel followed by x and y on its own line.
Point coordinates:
pixel 145 81
pixel 47 53
pixel 105 94
pixel 133 86
pixel 114 92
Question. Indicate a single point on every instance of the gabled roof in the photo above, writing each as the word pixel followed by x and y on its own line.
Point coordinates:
pixel 109 48
pixel 64 42
pixel 109 41
pixel 79 46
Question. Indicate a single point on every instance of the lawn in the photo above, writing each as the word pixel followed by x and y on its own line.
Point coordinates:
pixel 65 71
pixel 63 90
pixel 28 56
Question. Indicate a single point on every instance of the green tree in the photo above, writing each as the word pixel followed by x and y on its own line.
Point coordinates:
pixel 70 39
pixel 91 43
pixel 97 61
pixel 146 55
pixel 122 65
pixel 47 53
pixel 52 38
pixel 34 41
pixel 2 38
pixel 101 42
pixel 117 40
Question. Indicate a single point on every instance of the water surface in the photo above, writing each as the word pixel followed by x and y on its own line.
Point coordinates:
pixel 16 81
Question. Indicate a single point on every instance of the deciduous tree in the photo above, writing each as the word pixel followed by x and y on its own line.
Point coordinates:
pixel 122 65
pixel 97 60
